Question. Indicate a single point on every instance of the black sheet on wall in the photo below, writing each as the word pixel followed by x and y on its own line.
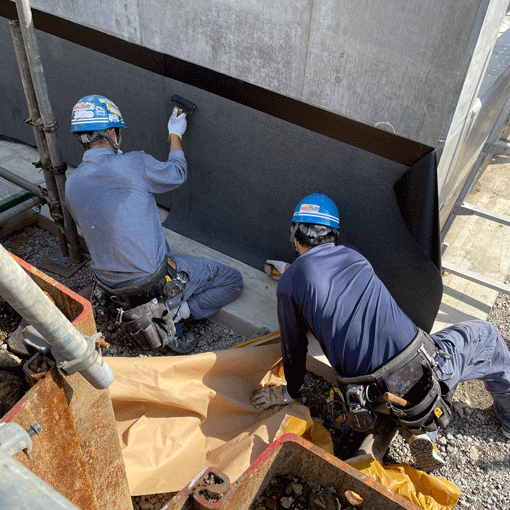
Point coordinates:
pixel 249 169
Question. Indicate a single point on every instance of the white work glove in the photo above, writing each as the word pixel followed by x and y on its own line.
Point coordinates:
pixel 275 268
pixel 271 396
pixel 177 123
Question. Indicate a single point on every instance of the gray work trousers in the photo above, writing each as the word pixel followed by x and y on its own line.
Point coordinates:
pixel 478 351
pixel 210 285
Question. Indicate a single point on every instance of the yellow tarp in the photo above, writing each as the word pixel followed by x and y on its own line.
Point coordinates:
pixel 424 490
pixel 314 432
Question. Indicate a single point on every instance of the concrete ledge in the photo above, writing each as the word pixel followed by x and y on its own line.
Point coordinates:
pixel 256 306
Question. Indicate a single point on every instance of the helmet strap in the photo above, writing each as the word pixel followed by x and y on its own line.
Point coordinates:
pixel 115 146
pixel 89 138
pixel 293 232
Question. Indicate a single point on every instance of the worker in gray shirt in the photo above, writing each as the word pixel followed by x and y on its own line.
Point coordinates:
pixel 110 196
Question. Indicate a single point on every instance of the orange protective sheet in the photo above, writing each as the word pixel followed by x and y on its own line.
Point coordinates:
pixel 177 415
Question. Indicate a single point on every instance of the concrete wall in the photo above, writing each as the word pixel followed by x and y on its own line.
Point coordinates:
pixel 395 65
pixel 247 169
pixel 398 71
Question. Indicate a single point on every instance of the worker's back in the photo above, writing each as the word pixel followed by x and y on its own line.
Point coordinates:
pixel 347 308
pixel 110 198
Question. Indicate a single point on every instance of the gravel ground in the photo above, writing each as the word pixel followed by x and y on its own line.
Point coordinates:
pixel 477 454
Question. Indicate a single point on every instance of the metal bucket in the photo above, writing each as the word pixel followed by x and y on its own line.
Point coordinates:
pixel 78 451
pixel 289 455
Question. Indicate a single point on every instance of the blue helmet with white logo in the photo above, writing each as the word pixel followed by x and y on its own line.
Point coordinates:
pixel 318 209
pixel 95 113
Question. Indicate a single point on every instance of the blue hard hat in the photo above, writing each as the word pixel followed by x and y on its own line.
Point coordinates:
pixel 95 113
pixel 318 209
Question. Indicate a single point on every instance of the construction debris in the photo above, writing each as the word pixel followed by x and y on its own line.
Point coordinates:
pixel 297 493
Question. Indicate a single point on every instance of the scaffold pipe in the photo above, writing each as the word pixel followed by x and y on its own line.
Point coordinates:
pixel 20 488
pixel 27 298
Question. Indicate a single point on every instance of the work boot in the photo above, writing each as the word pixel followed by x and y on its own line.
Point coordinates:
pixel 182 343
pixel 425 453
pixel 505 432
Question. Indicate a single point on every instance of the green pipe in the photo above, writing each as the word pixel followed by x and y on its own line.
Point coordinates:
pixel 18 198
pixel 22 183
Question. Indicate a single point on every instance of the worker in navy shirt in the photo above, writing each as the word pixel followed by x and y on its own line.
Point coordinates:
pixel 332 291
pixel 347 310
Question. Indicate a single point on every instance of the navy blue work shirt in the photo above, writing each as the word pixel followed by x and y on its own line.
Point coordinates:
pixel 334 292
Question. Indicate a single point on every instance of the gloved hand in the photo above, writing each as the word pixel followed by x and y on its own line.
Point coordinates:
pixel 271 396
pixel 177 124
pixel 275 268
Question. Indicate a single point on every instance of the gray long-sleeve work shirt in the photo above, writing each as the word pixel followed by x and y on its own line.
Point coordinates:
pixel 110 196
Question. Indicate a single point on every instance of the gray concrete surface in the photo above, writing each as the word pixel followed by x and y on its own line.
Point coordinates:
pixel 399 66
pixel 474 244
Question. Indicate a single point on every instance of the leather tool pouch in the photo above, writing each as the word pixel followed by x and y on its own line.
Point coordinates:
pixel 406 378
pixel 409 375
pixel 150 324
pixel 431 408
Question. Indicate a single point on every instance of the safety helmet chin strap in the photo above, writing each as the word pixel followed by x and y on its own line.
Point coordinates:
pixel 90 137
pixel 115 147
pixel 313 232
pixel 293 232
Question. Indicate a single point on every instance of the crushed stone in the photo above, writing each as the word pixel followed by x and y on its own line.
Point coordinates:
pixel 477 454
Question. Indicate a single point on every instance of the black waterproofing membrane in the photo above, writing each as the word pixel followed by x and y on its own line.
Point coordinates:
pixel 252 156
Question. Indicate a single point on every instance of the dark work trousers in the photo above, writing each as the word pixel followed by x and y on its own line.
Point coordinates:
pixel 478 351
pixel 210 285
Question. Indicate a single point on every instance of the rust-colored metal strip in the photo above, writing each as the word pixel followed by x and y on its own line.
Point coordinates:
pixel 57 457
pixel 86 411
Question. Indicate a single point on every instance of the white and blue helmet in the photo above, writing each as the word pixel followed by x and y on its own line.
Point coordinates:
pixel 95 113
pixel 318 209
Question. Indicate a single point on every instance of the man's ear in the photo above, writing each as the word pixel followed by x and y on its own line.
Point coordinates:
pixel 113 136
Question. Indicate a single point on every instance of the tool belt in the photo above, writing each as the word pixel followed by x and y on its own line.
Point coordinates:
pixel 424 403
pixel 142 308
pixel 165 282
pixel 150 325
